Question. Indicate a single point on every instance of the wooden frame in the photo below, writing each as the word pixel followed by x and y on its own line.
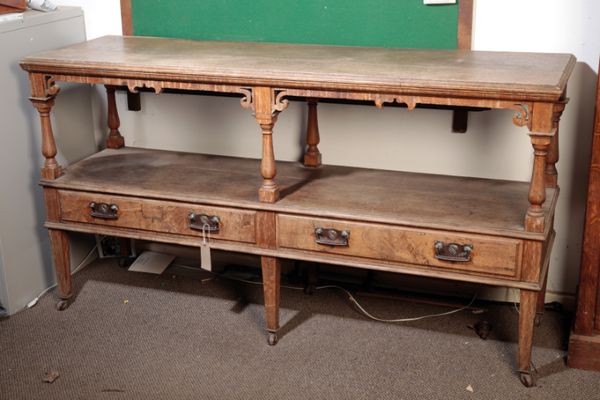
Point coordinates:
pixel 584 343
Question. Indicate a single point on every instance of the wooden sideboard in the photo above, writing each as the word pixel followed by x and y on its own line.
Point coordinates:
pixel 584 342
pixel 468 229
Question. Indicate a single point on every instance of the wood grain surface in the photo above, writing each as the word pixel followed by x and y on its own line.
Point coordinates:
pixel 494 256
pixel 458 73
pixel 428 201
pixel 159 216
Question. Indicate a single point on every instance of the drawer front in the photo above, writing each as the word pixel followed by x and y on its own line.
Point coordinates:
pixel 489 255
pixel 156 215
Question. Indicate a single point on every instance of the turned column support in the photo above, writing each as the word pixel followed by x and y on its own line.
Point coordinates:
pixel 542 134
pixel 267 104
pixel 534 220
pixel 312 156
pixel 114 139
pixel 43 92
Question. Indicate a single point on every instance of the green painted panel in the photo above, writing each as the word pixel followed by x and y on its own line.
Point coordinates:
pixel 377 23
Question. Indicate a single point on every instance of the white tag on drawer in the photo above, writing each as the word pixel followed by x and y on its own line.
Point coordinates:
pixel 205 259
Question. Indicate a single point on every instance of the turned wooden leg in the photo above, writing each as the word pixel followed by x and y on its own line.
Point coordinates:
pixel 312 156
pixel 534 219
pixel 527 310
pixel 59 241
pixel 271 272
pixel 114 139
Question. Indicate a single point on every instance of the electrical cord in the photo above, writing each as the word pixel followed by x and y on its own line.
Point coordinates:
pixel 350 297
pixel 412 319
pixel 78 268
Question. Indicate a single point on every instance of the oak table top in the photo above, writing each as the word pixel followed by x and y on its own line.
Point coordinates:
pixel 455 73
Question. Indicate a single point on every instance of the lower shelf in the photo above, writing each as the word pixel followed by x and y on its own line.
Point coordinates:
pixel 484 206
pixel 445 227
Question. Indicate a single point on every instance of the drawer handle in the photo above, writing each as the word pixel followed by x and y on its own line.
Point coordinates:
pixel 104 210
pixel 331 237
pixel 200 222
pixel 453 251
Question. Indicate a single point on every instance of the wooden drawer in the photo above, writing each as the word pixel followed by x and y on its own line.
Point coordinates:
pixel 490 255
pixel 157 215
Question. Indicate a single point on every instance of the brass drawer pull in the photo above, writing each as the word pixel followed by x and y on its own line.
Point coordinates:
pixel 104 210
pixel 331 237
pixel 200 222
pixel 453 251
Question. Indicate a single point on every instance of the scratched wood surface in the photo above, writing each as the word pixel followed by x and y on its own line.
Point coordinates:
pixel 441 72
pixel 432 201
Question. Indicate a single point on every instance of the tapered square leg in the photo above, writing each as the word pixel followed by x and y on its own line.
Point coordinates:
pixel 62 266
pixel 271 272
pixel 527 310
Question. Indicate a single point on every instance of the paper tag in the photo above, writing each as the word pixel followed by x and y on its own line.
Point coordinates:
pixel 152 262
pixel 205 259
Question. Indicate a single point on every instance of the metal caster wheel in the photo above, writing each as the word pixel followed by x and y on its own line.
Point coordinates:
pixel 526 379
pixel 62 305
pixel 272 340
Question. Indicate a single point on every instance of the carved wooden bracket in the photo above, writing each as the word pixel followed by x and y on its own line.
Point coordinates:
pixel 380 100
pixel 136 85
pixel 51 89
pixel 279 103
pixel 247 101
pixel 521 118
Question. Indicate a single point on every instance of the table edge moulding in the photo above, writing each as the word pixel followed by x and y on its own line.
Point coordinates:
pixel 498 233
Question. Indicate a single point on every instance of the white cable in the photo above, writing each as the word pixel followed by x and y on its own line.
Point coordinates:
pixel 366 313
pixel 78 268
pixel 350 297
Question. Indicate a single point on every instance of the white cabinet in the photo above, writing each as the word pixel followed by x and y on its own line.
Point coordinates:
pixel 25 261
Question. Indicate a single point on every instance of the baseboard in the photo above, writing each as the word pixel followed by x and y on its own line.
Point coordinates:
pixel 584 352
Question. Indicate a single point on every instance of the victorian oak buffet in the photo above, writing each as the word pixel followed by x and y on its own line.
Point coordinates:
pixel 468 229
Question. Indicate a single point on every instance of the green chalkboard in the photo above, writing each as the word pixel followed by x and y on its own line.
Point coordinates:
pixel 376 23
